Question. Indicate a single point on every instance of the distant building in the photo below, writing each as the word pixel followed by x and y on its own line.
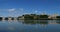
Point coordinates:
pixel 53 16
pixel 20 18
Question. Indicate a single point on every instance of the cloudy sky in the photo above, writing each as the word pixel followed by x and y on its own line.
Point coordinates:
pixel 20 7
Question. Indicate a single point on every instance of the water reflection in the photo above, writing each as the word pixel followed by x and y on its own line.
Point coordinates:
pixel 53 21
pixel 40 21
pixel 31 25
pixel 35 22
pixel 58 21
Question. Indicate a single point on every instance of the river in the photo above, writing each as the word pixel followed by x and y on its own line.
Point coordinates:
pixel 30 26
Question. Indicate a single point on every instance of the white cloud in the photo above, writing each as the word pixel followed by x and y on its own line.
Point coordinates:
pixel 11 10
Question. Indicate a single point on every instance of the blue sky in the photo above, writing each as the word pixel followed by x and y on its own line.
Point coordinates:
pixel 20 7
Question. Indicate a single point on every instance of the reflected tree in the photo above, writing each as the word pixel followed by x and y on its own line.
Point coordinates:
pixel 35 22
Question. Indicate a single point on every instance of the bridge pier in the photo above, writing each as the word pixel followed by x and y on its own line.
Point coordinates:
pixel 9 18
pixel 15 18
pixel 3 18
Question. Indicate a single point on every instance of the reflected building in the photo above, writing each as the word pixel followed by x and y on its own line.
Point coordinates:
pixel 58 21
pixel 54 22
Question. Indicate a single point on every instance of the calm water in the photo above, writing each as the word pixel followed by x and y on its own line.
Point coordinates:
pixel 30 26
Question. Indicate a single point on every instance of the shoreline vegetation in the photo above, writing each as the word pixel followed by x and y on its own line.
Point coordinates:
pixel 32 17
pixel 39 17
